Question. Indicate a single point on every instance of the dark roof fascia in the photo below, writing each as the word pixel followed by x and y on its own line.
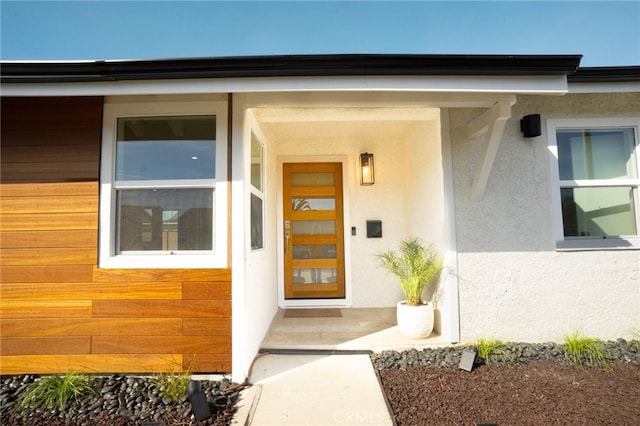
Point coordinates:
pixel 605 75
pixel 288 66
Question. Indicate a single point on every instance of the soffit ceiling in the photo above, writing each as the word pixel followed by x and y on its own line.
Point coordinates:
pixel 341 123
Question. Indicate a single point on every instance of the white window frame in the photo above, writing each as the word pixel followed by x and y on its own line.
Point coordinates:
pixel 591 243
pixel 259 193
pixel 108 257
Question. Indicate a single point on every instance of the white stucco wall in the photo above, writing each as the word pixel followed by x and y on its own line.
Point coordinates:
pixel 513 284
pixel 254 271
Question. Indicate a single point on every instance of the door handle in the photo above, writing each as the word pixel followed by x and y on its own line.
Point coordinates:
pixel 286 241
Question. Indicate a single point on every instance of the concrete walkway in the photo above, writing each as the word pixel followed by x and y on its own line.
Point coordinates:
pixel 313 390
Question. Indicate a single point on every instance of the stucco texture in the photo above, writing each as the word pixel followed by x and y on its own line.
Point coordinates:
pixel 513 284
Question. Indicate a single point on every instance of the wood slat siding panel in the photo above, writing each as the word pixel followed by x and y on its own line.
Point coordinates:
pixel 49 239
pixel 45 309
pixel 51 112
pixel 46 274
pixel 49 172
pixel 206 363
pixel 84 134
pixel 57 308
pixel 133 275
pixel 93 291
pixel 92 327
pixel 50 153
pixel 206 290
pixel 48 256
pixel 170 344
pixel 161 308
pixel 111 363
pixel 48 204
pixel 44 346
pixel 206 326
pixel 49 222
pixel 55 189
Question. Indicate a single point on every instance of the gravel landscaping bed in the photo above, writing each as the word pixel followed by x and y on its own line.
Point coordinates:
pixel 120 401
pixel 531 384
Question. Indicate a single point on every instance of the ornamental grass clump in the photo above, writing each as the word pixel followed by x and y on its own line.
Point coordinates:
pixel 56 393
pixel 173 384
pixel 415 265
pixel 490 349
pixel 579 350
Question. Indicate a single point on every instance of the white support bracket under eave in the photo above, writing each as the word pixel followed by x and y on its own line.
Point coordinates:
pixel 492 121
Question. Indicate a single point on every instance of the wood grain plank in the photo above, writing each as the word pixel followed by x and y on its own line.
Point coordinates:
pixel 49 222
pixel 46 274
pixel 81 134
pixel 152 344
pixel 50 239
pixel 45 309
pixel 49 172
pixel 48 204
pixel 45 345
pixel 91 291
pixel 51 111
pixel 206 326
pixel 55 189
pixel 212 290
pixel 49 364
pixel 207 363
pixel 50 153
pixel 147 275
pixel 91 327
pixel 161 308
pixel 49 256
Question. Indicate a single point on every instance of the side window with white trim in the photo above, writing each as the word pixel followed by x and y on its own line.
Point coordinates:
pixel 257 193
pixel 162 192
pixel 596 178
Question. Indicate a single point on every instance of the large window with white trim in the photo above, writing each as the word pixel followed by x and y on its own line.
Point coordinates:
pixel 596 181
pixel 163 185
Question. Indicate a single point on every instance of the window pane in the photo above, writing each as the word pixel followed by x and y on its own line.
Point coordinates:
pixel 598 212
pixel 314 227
pixel 314 276
pixel 312 179
pixel 165 219
pixel 256 223
pixel 256 162
pixel 314 251
pixel 166 148
pixel 300 204
pixel 596 154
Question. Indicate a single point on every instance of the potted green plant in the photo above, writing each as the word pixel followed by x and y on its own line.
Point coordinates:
pixel 416 266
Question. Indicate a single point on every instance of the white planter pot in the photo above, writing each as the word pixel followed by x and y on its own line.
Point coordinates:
pixel 415 322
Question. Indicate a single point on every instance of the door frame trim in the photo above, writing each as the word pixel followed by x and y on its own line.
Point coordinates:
pixel 347 173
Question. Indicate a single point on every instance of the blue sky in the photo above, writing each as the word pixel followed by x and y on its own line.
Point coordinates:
pixel 607 33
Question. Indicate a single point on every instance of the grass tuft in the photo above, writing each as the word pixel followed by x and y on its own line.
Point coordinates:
pixel 491 348
pixel 584 351
pixel 173 384
pixel 55 392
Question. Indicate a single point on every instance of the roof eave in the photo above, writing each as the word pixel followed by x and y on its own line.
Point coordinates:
pixel 288 66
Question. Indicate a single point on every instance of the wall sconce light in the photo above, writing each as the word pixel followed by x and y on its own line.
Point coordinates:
pixel 367 176
pixel 530 126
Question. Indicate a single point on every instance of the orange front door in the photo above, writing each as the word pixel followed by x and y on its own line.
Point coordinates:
pixel 313 231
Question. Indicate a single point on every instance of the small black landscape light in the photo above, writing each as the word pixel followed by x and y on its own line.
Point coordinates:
pixel 530 126
pixel 198 400
pixel 367 176
pixel 468 359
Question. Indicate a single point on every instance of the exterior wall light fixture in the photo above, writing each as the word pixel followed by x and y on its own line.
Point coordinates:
pixel 530 126
pixel 367 176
